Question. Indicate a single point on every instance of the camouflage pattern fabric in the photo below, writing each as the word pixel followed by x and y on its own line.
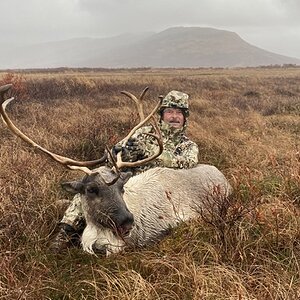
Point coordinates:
pixel 179 152
pixel 74 214
pixel 175 99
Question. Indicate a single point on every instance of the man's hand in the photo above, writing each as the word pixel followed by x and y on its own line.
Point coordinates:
pixel 132 150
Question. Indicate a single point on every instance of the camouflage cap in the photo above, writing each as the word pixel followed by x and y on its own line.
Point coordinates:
pixel 176 99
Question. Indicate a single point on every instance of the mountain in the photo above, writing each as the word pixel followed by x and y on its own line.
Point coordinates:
pixel 174 47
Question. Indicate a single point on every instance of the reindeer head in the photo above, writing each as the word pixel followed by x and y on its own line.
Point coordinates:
pixel 103 202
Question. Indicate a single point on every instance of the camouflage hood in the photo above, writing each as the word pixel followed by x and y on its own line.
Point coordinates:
pixel 176 99
pixel 170 133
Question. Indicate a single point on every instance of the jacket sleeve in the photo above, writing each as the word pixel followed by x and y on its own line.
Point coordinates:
pixel 184 157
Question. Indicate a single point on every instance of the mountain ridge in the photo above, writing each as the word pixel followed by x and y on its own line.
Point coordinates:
pixel 173 47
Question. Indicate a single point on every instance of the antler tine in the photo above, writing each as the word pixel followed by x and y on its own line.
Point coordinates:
pixel 67 162
pixel 115 168
pixel 138 101
pixel 144 92
pixel 143 122
pixel 121 164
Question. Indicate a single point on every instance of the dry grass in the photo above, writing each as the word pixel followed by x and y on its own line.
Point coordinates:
pixel 245 121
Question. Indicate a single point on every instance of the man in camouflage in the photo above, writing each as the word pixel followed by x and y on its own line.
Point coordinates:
pixel 178 152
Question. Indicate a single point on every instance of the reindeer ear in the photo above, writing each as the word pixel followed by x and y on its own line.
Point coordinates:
pixel 109 177
pixel 74 187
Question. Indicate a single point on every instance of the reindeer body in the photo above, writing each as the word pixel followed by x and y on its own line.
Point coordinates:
pixel 159 199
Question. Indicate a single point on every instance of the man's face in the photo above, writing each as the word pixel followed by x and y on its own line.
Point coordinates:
pixel 173 116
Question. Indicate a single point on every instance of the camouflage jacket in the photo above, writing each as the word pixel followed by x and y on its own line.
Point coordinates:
pixel 178 151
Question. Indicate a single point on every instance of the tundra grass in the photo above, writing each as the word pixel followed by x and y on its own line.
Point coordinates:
pixel 245 121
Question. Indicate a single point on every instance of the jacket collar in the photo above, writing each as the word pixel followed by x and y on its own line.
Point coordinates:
pixel 171 133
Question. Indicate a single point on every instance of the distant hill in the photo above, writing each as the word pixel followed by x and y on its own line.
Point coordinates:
pixel 174 47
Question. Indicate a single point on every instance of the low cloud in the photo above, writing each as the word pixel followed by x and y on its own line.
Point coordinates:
pixel 263 21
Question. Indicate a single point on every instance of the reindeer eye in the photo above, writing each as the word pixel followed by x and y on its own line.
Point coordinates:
pixel 92 189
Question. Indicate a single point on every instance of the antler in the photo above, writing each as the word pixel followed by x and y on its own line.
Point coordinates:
pixel 119 164
pixel 138 101
pixel 83 165
pixel 67 162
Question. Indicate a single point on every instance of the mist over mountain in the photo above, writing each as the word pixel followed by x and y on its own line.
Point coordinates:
pixel 174 47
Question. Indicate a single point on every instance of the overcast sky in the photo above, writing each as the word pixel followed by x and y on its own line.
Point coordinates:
pixel 273 25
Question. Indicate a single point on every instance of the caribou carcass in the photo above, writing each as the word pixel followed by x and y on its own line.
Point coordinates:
pixel 123 210
pixel 141 209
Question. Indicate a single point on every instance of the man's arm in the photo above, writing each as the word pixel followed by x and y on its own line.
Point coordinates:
pixel 186 157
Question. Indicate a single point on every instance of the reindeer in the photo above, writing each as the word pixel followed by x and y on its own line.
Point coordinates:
pixel 122 210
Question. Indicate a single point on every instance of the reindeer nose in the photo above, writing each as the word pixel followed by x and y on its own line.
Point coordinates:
pixel 125 229
pixel 126 225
